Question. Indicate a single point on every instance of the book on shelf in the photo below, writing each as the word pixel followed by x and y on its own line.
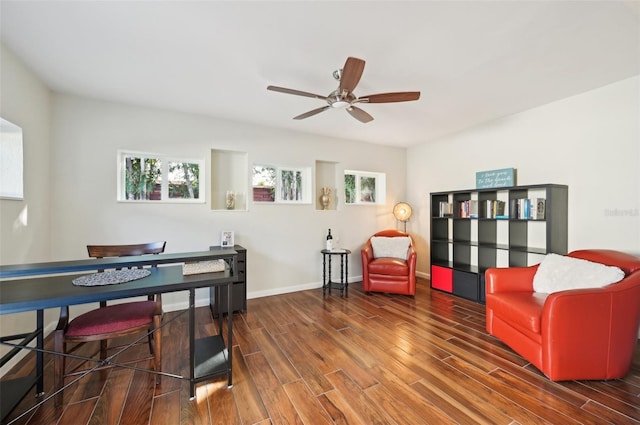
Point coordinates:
pixel 538 207
pixel 444 209
pixel 520 208
pixel 473 209
pixel 468 209
pixel 493 208
pixel 527 209
pixel 513 208
pixel 463 209
pixel 498 208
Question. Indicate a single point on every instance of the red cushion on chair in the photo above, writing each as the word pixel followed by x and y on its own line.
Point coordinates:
pixel 519 308
pixel 389 266
pixel 112 318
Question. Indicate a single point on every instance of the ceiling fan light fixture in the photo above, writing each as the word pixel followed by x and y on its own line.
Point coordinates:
pixel 343 97
pixel 340 104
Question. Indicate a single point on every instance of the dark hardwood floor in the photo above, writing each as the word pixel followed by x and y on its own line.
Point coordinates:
pixel 300 358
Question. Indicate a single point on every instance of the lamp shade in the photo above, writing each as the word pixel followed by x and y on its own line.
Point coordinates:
pixel 402 211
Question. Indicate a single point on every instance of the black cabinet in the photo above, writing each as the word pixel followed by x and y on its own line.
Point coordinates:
pixel 473 230
pixel 465 285
pixel 239 288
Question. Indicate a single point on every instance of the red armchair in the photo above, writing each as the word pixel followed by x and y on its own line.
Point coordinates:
pixel 389 274
pixel 577 334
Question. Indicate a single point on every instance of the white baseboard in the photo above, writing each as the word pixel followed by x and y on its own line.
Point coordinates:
pixel 423 275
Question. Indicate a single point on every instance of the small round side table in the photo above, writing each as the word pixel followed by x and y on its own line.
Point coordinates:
pixel 327 283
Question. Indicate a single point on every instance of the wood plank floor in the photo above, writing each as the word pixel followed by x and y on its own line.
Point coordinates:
pixel 300 358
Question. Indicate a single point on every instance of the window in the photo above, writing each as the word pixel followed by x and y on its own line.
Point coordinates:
pixel 149 177
pixel 281 184
pixel 364 187
pixel 11 183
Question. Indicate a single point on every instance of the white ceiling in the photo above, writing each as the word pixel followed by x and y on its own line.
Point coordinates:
pixel 473 61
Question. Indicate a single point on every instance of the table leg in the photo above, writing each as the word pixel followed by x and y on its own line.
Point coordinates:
pixel 329 283
pixel 346 272
pixel 39 353
pixel 341 275
pixel 324 273
pixel 192 343
pixel 230 334
pixel 230 326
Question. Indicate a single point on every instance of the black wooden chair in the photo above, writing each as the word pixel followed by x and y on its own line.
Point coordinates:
pixel 109 322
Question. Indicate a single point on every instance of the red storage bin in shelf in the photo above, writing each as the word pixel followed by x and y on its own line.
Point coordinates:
pixel 442 278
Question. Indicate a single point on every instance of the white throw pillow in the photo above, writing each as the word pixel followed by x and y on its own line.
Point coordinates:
pixel 397 247
pixel 559 273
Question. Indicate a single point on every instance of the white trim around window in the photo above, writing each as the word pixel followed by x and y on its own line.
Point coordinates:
pixel 365 187
pixel 150 177
pixel 281 184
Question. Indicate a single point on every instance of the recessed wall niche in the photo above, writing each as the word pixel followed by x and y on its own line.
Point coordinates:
pixel 326 178
pixel 229 180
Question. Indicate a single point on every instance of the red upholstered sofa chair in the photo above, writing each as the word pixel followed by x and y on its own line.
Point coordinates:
pixel 392 268
pixel 577 334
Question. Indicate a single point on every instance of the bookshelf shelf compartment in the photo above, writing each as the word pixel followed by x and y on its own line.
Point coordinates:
pixel 473 230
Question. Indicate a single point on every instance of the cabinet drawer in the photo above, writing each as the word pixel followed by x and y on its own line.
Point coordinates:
pixel 239 302
pixel 442 278
pixel 465 285
pixel 239 288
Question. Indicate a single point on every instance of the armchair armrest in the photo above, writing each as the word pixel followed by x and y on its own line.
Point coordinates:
pixel 511 279
pixel 591 330
pixel 367 253
pixel 411 261
pixel 412 258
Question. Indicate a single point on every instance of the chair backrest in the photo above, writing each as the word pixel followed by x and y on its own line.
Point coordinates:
pixel 392 233
pixel 101 251
pixel 627 262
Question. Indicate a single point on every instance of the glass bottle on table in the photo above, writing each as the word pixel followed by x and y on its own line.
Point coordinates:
pixel 329 241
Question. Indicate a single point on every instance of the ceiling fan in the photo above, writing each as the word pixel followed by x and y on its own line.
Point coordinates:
pixel 344 98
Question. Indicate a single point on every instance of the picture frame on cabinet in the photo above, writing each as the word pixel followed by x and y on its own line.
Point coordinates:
pixel 227 239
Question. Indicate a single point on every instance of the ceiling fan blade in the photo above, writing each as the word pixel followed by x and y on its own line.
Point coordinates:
pixel 351 73
pixel 390 97
pixel 311 113
pixel 359 114
pixel 296 92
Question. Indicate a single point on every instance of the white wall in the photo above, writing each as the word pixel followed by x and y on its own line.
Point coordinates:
pixel 25 224
pixel 283 241
pixel 590 142
pixel 25 101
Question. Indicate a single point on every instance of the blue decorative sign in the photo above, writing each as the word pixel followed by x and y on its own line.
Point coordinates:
pixel 496 178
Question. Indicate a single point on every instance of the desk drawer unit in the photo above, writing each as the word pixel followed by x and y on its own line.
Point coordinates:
pixel 239 302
